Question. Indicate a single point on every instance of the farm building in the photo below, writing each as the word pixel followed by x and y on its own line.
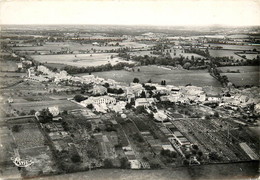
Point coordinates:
pixel 144 101
pixel 98 89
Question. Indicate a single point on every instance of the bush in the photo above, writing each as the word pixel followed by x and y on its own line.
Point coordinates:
pixel 79 98
pixel 90 106
pixel 108 163
pixel 45 116
pixel 16 128
pixel 75 158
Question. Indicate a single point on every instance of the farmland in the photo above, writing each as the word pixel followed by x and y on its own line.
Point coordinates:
pixel 224 53
pixel 235 47
pixel 156 74
pixel 179 52
pixel 80 60
pixel 28 137
pixel 39 105
pixel 249 75
pixel 56 46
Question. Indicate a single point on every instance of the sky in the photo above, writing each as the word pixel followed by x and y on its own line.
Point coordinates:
pixel 131 12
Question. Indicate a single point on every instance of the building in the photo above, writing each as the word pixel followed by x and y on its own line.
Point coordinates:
pixel 99 100
pixel 98 89
pixel 54 110
pixel 144 102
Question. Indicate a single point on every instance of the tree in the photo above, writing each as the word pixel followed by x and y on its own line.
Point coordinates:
pixel 142 94
pixel 128 106
pixel 140 109
pixel 108 163
pixel 106 85
pixel 75 158
pixel 16 128
pixel 79 98
pixel 124 164
pixel 149 81
pixel 45 116
pixel 136 80
pixel 32 112
pixel 90 106
pixel 120 91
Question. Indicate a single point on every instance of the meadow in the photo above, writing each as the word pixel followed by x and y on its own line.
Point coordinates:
pixel 176 77
pixel 224 53
pixel 73 46
pixel 249 75
pixel 56 46
pixel 179 52
pixel 235 47
pixel 39 105
pixel 80 60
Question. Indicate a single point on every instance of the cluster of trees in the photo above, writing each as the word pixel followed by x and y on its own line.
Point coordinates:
pixel 89 69
pixel 198 51
pixel 186 63
pixel 79 98
pixel 136 80
pixel 16 128
pixel 45 116
pixel 115 91
pixel 163 82
pixel 168 153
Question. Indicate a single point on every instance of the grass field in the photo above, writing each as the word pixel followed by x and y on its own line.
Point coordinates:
pixel 235 47
pixel 157 74
pixel 39 105
pixel 56 46
pixel 180 53
pixel 224 53
pixel 80 60
pixel 249 75
pixel 142 53
pixel 29 136
pixel 73 46
pixel 244 170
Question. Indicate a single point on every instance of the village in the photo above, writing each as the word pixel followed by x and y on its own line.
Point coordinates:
pixel 137 126
pixel 61 118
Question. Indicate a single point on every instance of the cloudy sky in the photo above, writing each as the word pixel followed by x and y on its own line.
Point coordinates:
pixel 141 12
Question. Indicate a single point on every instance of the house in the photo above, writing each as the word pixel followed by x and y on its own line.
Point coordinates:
pixel 160 116
pixel 99 89
pixel 168 147
pixel 135 164
pixel 98 100
pixel 54 110
pixel 143 102
pixel 213 98
pixel 135 89
pixel 257 108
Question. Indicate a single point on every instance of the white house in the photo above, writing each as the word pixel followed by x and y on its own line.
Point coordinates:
pixel 99 89
pixel 54 110
pixel 98 100
pixel 144 101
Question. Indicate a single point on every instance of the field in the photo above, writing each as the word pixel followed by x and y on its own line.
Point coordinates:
pixel 250 56
pixel 73 46
pixel 57 46
pixel 235 47
pixel 249 75
pixel 224 53
pixel 8 66
pixel 29 137
pixel 142 53
pixel 180 53
pixel 80 60
pixel 39 105
pixel 157 74
pixel 215 171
